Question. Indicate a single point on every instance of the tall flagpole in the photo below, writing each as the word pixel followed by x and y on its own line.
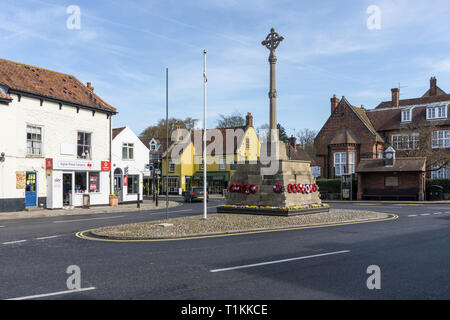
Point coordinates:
pixel 205 190
pixel 167 143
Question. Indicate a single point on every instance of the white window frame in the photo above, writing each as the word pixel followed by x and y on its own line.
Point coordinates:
pixel 443 173
pixel 439 112
pixel 440 139
pixel 85 145
pixel 340 163
pixel 128 146
pixel 351 162
pixel 33 127
pixel 406 115
pixel 406 141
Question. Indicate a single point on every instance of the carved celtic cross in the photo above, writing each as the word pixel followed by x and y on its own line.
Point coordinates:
pixel 272 41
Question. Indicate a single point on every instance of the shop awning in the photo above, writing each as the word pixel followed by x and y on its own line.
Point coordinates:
pixel 212 176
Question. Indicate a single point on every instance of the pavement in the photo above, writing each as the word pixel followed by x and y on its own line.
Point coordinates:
pixel 146 205
pixel 440 202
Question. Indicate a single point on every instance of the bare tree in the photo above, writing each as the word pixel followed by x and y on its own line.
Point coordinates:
pixel 422 141
pixel 233 120
pixel 306 139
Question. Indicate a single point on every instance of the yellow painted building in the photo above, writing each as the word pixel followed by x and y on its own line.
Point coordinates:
pixel 225 147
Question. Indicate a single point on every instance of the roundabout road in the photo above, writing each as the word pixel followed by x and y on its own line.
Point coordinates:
pixel 321 263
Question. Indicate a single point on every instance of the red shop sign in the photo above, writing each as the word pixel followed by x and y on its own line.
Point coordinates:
pixel 106 165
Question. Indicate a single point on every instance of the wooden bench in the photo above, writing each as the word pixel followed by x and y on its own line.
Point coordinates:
pixel 397 194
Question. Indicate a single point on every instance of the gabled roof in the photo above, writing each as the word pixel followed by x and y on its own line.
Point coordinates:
pixel 26 79
pixel 210 133
pixel 297 153
pixel 439 92
pixel 344 137
pixel 116 131
pixel 361 114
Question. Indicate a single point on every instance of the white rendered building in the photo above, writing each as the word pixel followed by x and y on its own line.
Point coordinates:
pixel 55 135
pixel 130 159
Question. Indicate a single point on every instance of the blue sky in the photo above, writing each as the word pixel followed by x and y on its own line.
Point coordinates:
pixel 123 48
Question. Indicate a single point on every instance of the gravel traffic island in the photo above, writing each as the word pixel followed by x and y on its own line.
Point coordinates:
pixel 219 224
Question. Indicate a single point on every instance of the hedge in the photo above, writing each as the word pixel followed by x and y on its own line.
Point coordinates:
pixel 445 183
pixel 329 185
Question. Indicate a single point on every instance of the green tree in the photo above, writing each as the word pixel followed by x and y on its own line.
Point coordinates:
pixel 159 129
pixel 282 135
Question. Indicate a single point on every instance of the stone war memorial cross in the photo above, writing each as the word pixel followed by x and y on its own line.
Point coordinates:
pixel 290 189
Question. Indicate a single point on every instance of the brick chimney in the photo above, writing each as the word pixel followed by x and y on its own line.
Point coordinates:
pixel 433 86
pixel 395 96
pixel 249 120
pixel 293 142
pixel 90 87
pixel 334 103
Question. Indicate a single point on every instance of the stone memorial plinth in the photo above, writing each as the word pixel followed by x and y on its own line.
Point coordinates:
pixel 287 190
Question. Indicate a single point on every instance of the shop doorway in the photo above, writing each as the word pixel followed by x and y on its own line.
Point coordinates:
pixel 118 184
pixel 67 189
pixel 30 190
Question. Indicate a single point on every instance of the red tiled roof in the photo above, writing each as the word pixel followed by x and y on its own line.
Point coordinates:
pixel 210 134
pixel 116 131
pixel 297 153
pixel 5 97
pixel 415 101
pixel 344 137
pixel 390 118
pixel 49 84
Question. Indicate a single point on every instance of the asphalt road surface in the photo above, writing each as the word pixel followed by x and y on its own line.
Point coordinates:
pixel 412 254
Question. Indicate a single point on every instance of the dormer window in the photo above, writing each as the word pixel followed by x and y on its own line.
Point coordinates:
pixel 153 146
pixel 406 115
pixel 437 112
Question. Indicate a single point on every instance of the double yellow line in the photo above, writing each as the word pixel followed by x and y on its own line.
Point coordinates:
pixel 82 234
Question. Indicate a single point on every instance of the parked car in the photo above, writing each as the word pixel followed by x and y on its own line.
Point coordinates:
pixel 195 194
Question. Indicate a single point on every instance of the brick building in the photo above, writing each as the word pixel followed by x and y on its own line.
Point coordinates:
pixel 413 127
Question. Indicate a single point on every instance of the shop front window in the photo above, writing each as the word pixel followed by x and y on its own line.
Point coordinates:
pixel 94 182
pixel 80 182
pixel 133 184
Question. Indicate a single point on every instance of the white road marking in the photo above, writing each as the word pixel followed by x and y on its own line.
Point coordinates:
pixel 425 214
pixel 178 211
pixel 412 215
pixel 64 221
pixel 278 261
pixel 44 238
pixel 438 213
pixel 2 226
pixel 447 212
pixel 53 294
pixel 12 242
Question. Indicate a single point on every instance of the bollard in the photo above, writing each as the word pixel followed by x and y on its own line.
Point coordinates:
pixel 138 200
